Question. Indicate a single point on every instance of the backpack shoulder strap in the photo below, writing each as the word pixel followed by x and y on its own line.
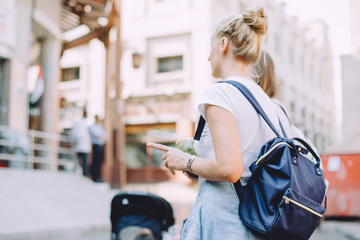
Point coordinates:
pixel 283 109
pixel 200 128
pixel 246 92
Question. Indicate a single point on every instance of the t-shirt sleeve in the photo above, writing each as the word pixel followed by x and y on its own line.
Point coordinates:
pixel 217 95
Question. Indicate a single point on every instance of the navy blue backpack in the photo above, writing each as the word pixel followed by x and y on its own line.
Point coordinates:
pixel 282 199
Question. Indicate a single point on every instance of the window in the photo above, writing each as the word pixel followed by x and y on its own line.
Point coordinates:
pixel 303 113
pixel 292 108
pixel 316 140
pixel 168 61
pixel 306 133
pixel 302 64
pixel 313 120
pixel 169 64
pixel 70 74
pixel 321 124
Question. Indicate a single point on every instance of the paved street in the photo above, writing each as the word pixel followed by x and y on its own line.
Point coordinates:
pixel 329 230
pixel 76 222
pixel 337 230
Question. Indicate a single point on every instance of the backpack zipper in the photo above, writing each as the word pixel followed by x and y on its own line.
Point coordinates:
pixel 289 200
pixel 269 151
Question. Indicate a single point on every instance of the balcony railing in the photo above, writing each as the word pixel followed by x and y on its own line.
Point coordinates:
pixel 32 149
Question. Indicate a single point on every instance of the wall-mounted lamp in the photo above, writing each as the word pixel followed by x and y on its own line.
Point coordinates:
pixel 136 57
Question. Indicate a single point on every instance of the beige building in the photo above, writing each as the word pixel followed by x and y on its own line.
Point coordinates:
pixel 304 65
pixel 354 6
pixel 165 69
pixel 29 35
pixel 82 82
pixel 350 74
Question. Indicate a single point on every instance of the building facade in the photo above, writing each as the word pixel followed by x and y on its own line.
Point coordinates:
pixel 29 35
pixel 304 65
pixel 169 43
pixel 350 74
pixel 82 83
pixel 165 70
pixel 15 35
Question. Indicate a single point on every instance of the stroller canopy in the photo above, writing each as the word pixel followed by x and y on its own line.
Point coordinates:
pixel 134 208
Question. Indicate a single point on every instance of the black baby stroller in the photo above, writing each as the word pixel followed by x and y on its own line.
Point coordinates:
pixel 139 210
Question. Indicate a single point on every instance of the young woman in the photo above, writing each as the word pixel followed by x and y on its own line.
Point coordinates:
pixel 233 134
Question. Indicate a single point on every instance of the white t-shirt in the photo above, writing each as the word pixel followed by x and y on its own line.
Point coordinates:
pixel 253 130
pixel 80 133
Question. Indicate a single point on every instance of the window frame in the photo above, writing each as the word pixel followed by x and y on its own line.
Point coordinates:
pixel 167 47
pixel 76 76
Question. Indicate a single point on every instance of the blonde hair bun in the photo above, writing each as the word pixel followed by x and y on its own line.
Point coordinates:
pixel 256 19
pixel 245 33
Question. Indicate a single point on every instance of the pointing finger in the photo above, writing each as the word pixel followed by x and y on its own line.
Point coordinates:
pixel 158 146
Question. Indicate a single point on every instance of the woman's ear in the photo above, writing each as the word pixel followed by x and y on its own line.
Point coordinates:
pixel 224 45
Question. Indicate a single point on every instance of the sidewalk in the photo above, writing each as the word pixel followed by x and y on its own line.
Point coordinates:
pixel 36 203
pixel 63 206
pixel 335 230
pixel 43 204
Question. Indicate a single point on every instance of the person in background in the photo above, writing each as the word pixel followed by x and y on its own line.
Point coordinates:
pixel 98 139
pixel 233 134
pixel 81 135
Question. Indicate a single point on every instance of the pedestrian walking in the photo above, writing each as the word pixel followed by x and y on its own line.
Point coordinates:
pixel 81 135
pixel 98 139
pixel 233 132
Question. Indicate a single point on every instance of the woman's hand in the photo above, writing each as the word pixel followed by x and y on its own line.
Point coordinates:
pixel 173 158
pixel 226 165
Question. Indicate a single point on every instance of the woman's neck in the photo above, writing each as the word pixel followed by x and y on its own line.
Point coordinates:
pixel 234 68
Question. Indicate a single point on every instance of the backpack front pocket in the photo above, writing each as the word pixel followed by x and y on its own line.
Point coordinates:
pixel 299 213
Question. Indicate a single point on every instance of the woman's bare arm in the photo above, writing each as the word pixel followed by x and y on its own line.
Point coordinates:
pixel 227 164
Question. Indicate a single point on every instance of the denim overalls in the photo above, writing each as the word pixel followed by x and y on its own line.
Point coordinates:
pixel 215 214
